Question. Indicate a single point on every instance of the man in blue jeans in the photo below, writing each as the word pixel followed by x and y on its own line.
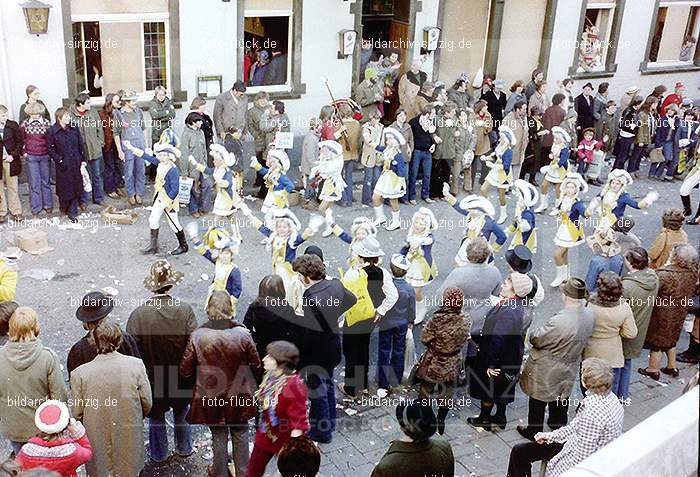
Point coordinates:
pixel 88 121
pixel 423 128
pixel 162 327
pixel 394 326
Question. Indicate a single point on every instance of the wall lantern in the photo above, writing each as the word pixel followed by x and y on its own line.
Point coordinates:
pixel 431 35
pixel 36 14
pixel 346 43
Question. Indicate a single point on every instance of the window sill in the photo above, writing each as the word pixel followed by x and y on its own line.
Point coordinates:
pixel 284 92
pixel 607 73
pixel 655 69
pixel 178 98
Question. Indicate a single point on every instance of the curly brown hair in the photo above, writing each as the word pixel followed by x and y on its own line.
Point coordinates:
pixel 609 286
pixel 672 218
pixel 310 266
pixel 286 354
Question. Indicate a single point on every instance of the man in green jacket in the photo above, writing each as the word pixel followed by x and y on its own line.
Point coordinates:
pixel 88 121
pixel 254 120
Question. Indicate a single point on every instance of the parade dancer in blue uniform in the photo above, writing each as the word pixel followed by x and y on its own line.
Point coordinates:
pixel 523 228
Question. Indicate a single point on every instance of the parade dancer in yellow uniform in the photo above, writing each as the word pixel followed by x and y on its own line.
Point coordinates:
pixel 284 239
pixel 558 167
pixel 220 248
pixel 569 234
pixel 501 174
pixel 418 250
pixel 330 169
pixel 167 188
pixel 523 229
pixel 610 205
pixel 392 182
pixel 361 228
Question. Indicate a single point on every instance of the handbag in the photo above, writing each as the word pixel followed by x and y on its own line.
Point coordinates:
pixel 656 155
pixel 87 185
pixel 409 357
pixel 413 379
pixel 186 185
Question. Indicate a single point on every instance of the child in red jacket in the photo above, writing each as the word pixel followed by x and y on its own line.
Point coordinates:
pixel 586 152
pixel 62 445
pixel 282 402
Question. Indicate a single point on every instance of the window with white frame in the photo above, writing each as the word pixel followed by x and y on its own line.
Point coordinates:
pixel 675 33
pixel 105 47
pixel 596 37
pixel 266 49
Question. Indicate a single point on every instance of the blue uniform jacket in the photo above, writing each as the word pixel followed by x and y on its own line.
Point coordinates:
pixel 490 227
pixel 622 202
pixel 234 283
pixel 282 183
pixel 398 164
pixel 172 178
pixel 528 216
pixel 228 177
pixel 290 252
pixel 507 158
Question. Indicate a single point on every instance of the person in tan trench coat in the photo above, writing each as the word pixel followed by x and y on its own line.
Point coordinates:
pixel 111 395
pixel 677 282
pixel 552 366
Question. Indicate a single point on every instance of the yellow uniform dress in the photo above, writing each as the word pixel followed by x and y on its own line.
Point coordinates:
pixel 570 230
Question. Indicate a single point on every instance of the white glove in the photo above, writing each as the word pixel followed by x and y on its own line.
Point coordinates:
pixel 651 197
pixel 683 142
pixel 253 162
pixel 192 160
pixel 315 223
pixel 415 242
pixel 446 189
pixel 192 229
pixel 468 158
pixel 594 205
pixel 127 144
pixel 523 225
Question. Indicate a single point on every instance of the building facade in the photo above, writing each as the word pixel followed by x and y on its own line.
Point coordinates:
pixel 197 47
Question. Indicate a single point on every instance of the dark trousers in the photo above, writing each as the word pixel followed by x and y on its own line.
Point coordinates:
pixel 530 167
pixel 69 207
pixel 440 175
pixel 356 352
pixel 113 177
pixel 558 411
pixel 523 455
pixel 322 406
pixel 622 151
pixel 636 158
pixel 259 181
pixel 392 346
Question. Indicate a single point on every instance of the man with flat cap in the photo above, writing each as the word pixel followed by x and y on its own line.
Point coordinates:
pixel 94 308
pixel 553 364
pixel 519 259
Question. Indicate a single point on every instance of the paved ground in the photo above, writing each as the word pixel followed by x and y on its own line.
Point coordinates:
pixel 97 256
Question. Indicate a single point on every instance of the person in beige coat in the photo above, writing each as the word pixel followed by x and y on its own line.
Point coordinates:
pixel 409 86
pixel 517 121
pixel 111 395
pixel 613 322
pixel 552 366
pixel 671 234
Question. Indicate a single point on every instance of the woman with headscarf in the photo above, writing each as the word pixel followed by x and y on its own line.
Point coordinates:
pixel 444 337
pixel 500 354
pixel 677 281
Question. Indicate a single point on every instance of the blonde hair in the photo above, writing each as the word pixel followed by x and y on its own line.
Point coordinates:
pixel 24 325
pixel 596 375
pixel 158 89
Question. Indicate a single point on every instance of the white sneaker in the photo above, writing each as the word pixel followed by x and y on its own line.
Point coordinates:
pixel 395 222
pixel 328 232
pixel 553 212
pixel 544 204
pixel 561 277
pixel 379 217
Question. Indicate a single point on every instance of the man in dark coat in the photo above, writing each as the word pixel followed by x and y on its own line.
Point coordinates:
pixel 93 309
pixel 584 106
pixel 324 302
pixel 10 166
pixel 162 327
pixel 276 72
